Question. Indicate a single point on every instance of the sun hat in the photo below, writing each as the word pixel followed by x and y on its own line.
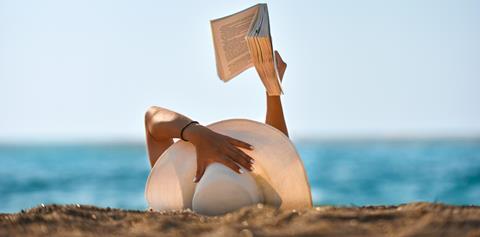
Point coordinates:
pixel 278 179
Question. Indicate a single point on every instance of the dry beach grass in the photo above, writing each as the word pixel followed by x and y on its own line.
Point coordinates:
pixel 414 219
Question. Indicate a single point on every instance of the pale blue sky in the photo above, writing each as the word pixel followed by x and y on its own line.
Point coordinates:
pixel 82 70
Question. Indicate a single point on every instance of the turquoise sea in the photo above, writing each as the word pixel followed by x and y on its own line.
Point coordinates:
pixel 348 172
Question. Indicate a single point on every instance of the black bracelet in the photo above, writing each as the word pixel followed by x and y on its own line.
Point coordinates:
pixel 183 129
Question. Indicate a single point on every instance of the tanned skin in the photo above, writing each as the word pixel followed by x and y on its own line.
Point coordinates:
pixel 162 125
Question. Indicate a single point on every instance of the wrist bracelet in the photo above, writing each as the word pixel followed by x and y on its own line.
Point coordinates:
pixel 183 129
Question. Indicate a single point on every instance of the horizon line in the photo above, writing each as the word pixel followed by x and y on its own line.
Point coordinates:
pixel 304 138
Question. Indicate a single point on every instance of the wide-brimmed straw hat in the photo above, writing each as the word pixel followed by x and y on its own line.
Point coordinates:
pixel 278 178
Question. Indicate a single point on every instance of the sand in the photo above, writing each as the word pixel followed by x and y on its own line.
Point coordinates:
pixel 414 219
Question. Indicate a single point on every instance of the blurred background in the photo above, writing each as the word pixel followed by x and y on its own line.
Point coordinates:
pixel 381 98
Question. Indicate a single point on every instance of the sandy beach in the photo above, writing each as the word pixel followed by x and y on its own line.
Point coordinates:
pixel 414 219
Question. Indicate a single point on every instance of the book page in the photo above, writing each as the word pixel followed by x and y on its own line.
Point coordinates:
pixel 231 50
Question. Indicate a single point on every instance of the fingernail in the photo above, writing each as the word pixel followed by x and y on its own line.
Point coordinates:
pixel 252 161
pixel 241 171
pixel 252 168
pixel 194 179
pixel 251 147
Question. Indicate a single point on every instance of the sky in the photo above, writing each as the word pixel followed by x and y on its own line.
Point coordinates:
pixel 88 70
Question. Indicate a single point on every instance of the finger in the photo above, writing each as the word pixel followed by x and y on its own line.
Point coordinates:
pixel 281 65
pixel 200 171
pixel 240 160
pixel 239 143
pixel 242 156
pixel 230 164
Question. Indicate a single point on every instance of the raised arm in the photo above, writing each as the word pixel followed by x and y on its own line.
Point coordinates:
pixel 162 125
pixel 274 115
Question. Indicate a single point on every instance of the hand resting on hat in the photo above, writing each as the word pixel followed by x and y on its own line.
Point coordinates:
pixel 214 147
pixel 162 125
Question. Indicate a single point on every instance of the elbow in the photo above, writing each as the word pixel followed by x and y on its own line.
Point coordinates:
pixel 158 119
pixel 150 118
pixel 159 122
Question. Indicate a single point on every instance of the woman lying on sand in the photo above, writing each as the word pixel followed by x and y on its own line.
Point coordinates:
pixel 279 178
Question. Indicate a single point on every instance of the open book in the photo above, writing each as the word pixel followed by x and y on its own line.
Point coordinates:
pixel 243 40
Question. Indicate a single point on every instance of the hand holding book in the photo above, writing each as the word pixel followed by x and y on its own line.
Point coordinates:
pixel 281 65
pixel 243 40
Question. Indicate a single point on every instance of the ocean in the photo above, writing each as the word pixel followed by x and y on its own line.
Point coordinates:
pixel 341 172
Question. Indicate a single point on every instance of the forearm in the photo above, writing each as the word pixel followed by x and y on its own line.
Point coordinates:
pixel 275 115
pixel 164 124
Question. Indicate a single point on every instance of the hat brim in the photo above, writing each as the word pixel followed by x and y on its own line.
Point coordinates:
pixel 278 169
